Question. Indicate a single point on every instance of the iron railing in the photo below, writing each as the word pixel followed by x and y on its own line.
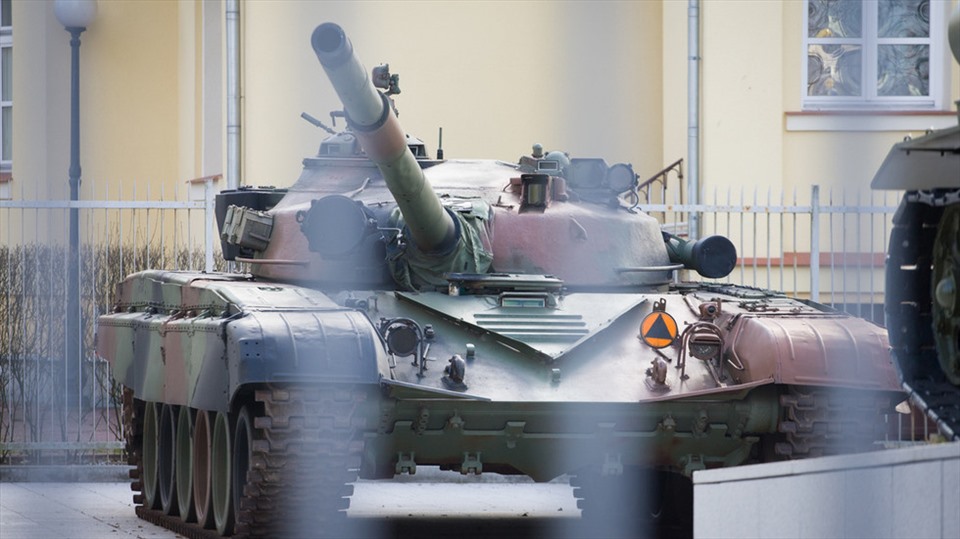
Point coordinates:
pixel 827 247
pixel 50 412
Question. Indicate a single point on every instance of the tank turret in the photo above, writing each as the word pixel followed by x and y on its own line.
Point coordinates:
pixel 373 210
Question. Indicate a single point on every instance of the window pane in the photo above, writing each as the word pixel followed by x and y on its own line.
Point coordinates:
pixel 834 70
pixel 5 13
pixel 6 73
pixel 834 18
pixel 903 18
pixel 903 70
pixel 6 153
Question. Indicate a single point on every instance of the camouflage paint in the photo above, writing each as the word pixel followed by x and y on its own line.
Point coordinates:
pixel 195 339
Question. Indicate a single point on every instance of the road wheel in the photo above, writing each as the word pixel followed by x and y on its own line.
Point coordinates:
pixel 946 304
pixel 166 459
pixel 202 447
pixel 242 455
pixel 151 495
pixel 220 475
pixel 184 464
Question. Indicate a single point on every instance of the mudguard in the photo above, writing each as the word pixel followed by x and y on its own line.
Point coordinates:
pixel 215 333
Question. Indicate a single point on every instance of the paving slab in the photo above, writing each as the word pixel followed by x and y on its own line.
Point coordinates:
pixel 74 510
pixel 440 504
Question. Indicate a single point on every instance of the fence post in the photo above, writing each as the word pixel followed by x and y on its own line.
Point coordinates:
pixel 815 243
pixel 208 225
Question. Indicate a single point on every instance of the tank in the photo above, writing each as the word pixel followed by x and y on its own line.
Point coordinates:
pixel 922 303
pixel 478 316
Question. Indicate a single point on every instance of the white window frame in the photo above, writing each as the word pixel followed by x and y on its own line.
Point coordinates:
pixel 6 41
pixel 869 100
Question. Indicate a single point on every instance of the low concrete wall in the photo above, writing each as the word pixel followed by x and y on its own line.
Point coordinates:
pixel 908 492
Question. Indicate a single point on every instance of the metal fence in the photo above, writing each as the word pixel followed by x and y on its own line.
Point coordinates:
pixel 56 409
pixel 829 249
pixel 823 246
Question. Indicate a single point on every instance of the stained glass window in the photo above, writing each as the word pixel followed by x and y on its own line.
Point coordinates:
pixel 834 69
pixel 872 53
pixel 903 18
pixel 834 18
pixel 903 70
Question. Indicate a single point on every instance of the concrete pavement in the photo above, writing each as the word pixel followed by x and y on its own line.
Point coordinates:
pixel 440 504
pixel 71 510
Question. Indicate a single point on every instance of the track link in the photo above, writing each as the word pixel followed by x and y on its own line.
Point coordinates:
pixel 133 442
pixel 190 530
pixel 817 422
pixel 909 312
pixel 306 452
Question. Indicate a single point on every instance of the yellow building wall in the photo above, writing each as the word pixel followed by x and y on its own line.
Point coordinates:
pixel 752 63
pixel 843 156
pixel 750 76
pixel 129 98
pixel 132 128
pixel 742 95
pixel 583 77
pixel 593 78
pixel 41 113
pixel 847 159
pixel 140 110
pixel 605 79
pixel 674 55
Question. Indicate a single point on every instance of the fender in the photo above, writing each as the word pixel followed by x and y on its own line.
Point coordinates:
pixel 197 339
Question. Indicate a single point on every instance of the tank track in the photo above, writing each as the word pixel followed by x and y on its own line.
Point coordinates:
pixel 814 422
pixel 305 454
pixel 174 524
pixel 306 451
pixel 818 422
pixel 909 309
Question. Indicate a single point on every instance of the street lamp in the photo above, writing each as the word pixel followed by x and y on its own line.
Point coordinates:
pixel 75 16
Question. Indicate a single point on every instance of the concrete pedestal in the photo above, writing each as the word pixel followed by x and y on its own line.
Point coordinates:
pixel 907 492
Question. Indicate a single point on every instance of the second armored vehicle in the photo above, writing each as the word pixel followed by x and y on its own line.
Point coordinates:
pixel 923 266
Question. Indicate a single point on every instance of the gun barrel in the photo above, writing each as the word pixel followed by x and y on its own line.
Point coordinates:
pixel 371 117
pixel 713 257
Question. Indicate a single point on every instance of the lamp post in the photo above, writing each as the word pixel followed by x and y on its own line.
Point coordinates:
pixel 75 16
